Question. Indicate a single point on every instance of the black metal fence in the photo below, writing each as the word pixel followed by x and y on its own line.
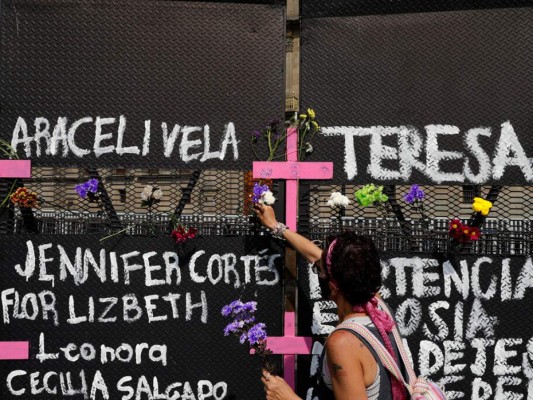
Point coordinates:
pixel 400 227
pixel 217 202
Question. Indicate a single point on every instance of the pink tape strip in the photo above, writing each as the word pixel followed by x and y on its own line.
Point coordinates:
pixel 14 350
pixel 15 168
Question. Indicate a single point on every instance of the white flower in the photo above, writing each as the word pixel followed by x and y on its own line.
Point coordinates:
pixel 308 148
pixel 147 192
pixel 337 199
pixel 157 194
pixel 267 198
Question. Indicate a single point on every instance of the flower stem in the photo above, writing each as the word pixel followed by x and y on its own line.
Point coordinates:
pixel 9 192
pixel 269 138
pixel 116 233
pixel 264 355
pixel 253 151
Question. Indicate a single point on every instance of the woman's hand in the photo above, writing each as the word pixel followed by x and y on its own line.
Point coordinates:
pixel 266 215
pixel 276 388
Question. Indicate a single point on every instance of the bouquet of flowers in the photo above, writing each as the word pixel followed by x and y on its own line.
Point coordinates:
pixel 24 198
pixel 274 135
pixel 245 327
pixel 89 188
pixel 262 195
pixel 469 232
pixel 150 195
pixel 372 196
pixel 463 233
pixel 338 201
pixel 180 233
pixel 481 206
pixel 415 198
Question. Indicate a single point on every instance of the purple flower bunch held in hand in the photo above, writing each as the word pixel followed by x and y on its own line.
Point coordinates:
pixel 262 194
pixel 245 327
pixel 91 186
pixel 415 194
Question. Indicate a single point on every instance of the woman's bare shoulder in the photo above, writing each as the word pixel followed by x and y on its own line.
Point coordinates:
pixel 342 340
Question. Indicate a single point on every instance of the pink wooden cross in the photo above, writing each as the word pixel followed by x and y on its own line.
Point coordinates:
pixel 15 169
pixel 291 170
pixel 289 345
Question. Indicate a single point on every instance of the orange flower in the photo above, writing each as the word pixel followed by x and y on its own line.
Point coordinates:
pixel 24 198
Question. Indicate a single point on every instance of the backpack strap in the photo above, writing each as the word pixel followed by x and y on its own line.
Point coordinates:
pixel 383 354
pixel 399 343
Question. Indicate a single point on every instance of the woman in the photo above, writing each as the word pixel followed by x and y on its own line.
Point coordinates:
pixel 349 273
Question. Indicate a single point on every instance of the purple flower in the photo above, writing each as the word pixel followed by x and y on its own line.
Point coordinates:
pixel 81 189
pixel 256 134
pixel 409 198
pixel 415 193
pixel 235 306
pixel 257 333
pixel 232 327
pixel 92 185
pixel 244 326
pixel 258 192
pixel 251 306
pixel 226 310
pixel 239 309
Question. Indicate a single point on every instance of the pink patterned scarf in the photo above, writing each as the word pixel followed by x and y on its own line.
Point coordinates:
pixel 384 324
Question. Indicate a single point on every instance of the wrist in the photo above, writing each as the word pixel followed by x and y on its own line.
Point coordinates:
pixel 278 230
pixel 272 226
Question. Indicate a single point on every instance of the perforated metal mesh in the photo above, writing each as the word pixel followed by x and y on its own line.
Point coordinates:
pixel 508 229
pixel 216 202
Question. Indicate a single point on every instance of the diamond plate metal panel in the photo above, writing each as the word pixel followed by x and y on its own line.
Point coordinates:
pixel 180 63
pixel 465 69
pixel 342 8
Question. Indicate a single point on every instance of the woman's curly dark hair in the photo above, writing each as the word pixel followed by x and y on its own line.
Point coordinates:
pixel 355 266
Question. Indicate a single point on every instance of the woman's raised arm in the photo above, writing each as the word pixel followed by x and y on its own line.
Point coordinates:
pixel 307 249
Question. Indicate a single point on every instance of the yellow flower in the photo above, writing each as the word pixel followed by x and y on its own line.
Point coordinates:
pixel 315 125
pixel 481 205
pixel 303 116
pixel 311 113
